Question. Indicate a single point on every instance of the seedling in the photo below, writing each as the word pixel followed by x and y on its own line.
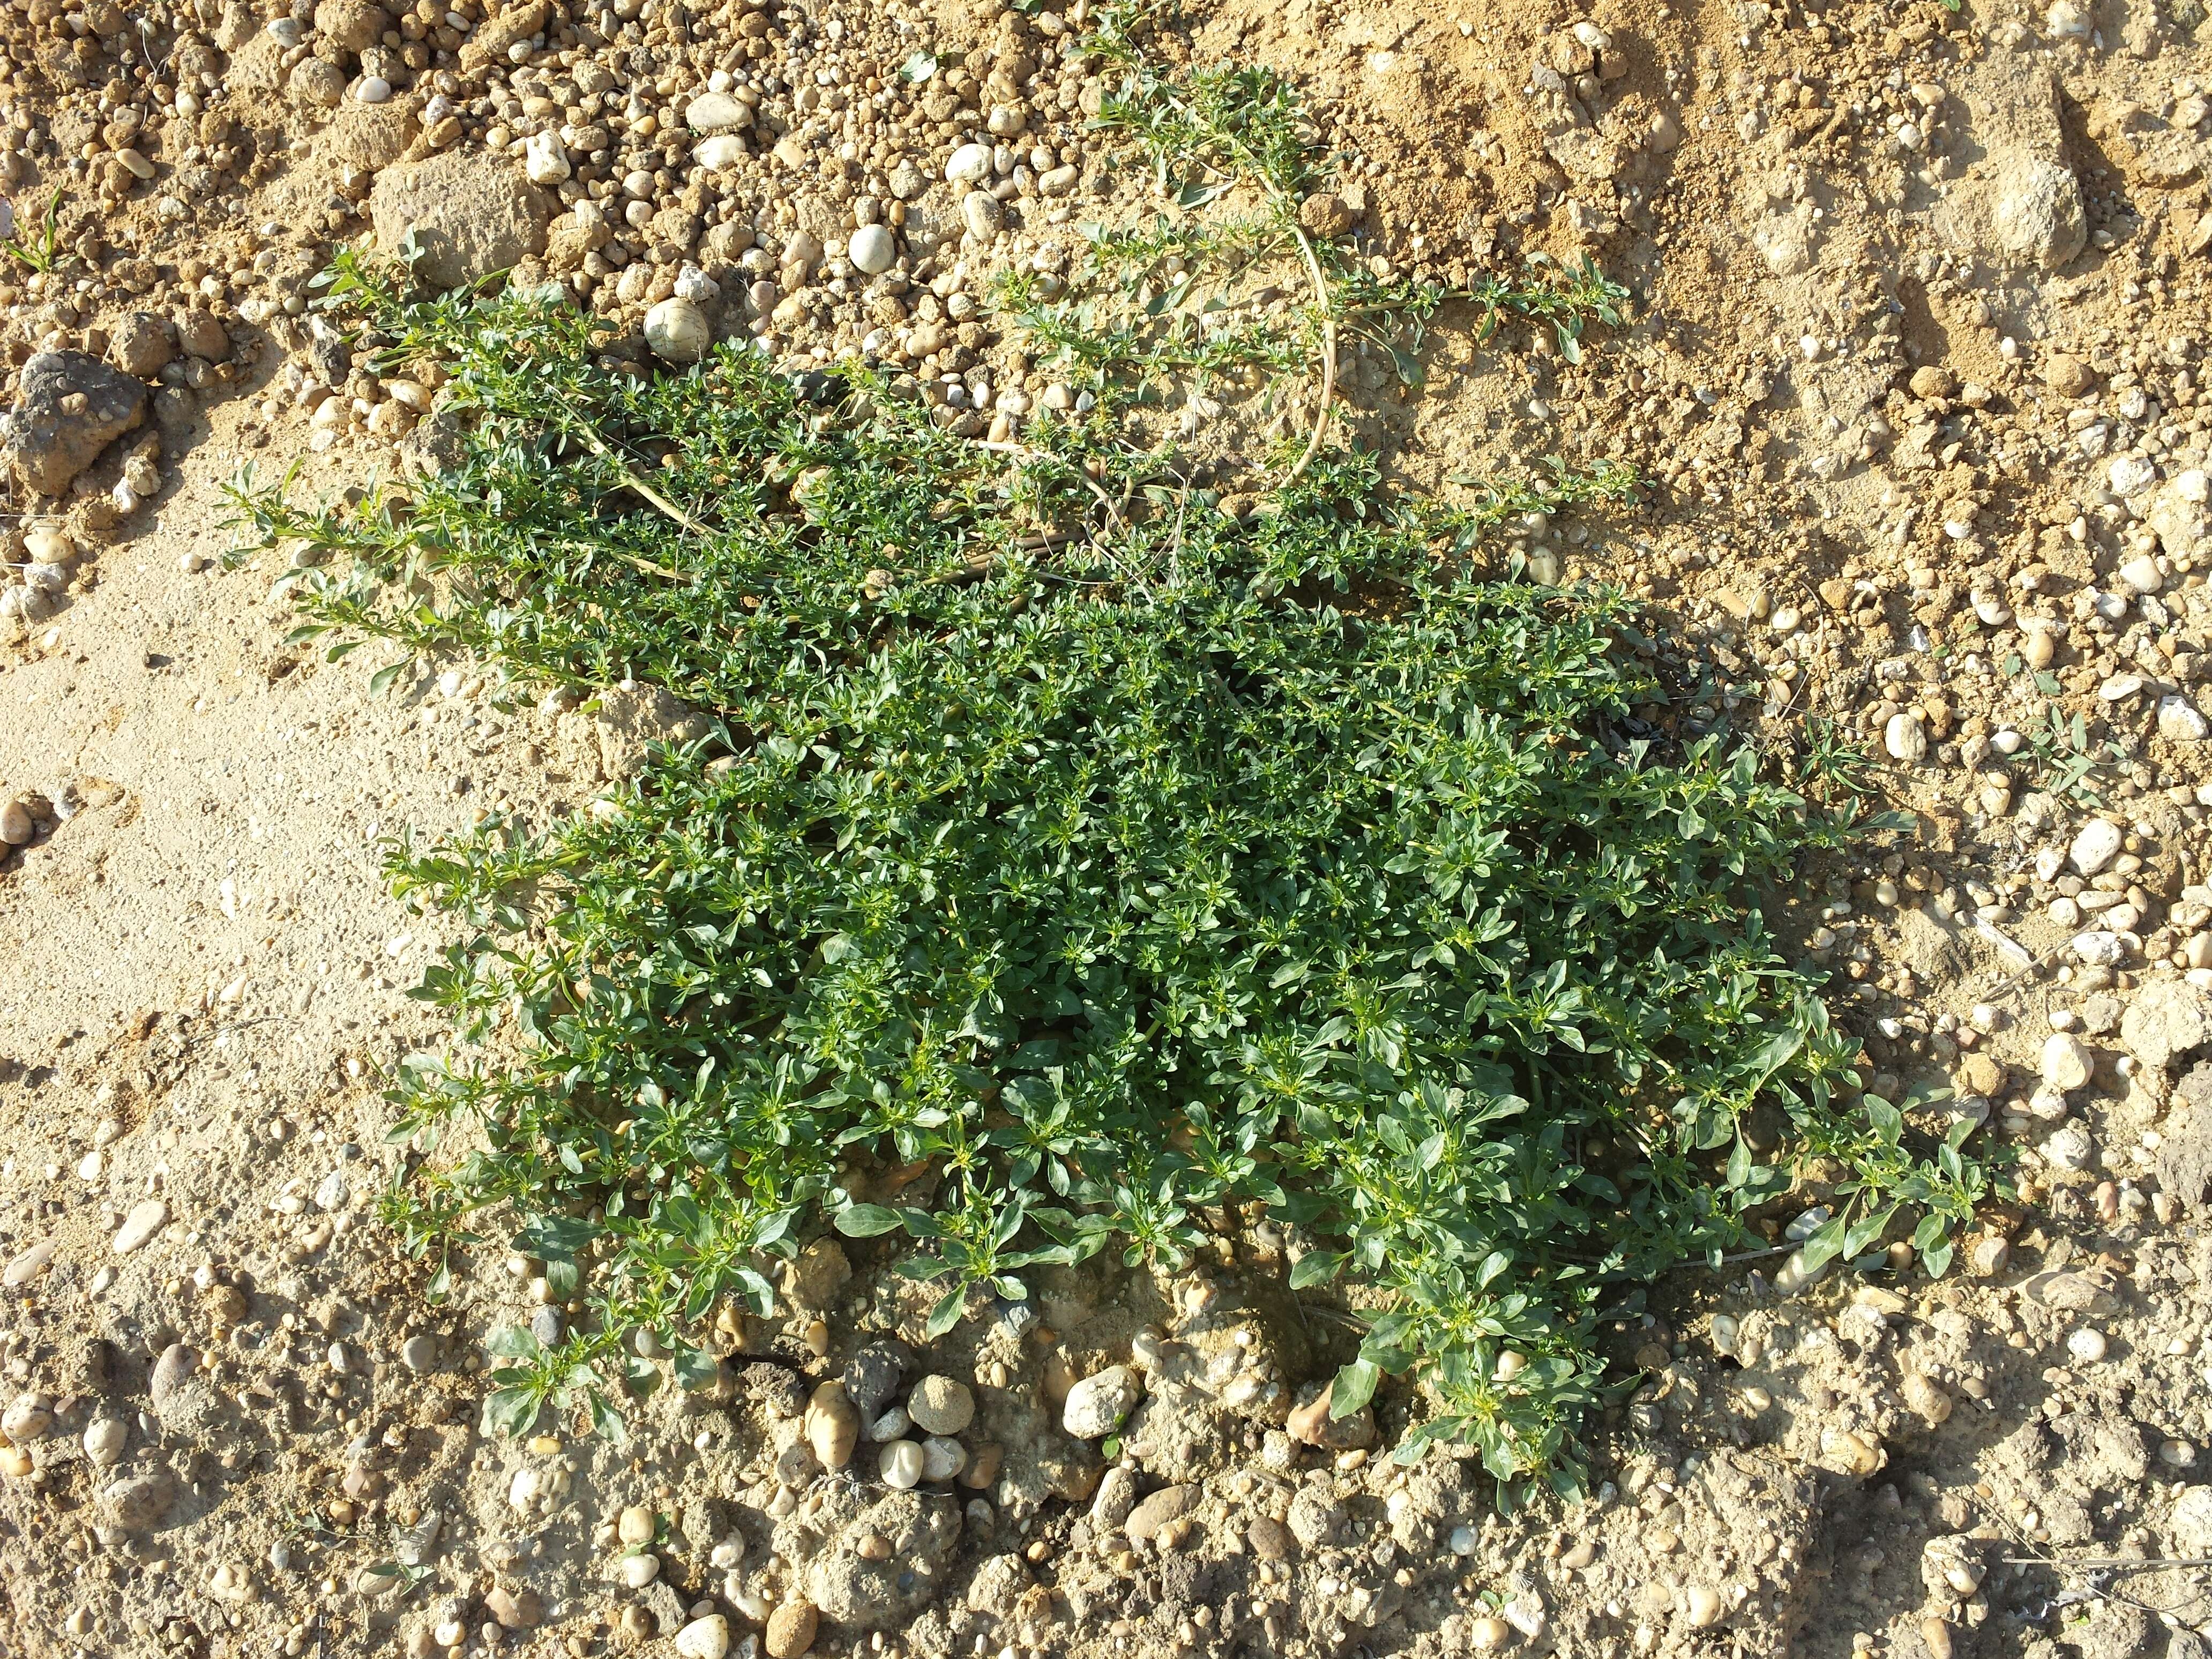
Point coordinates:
pixel 45 252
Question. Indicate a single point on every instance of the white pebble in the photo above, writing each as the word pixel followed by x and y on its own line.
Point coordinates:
pixel 2086 1345
pixel 901 1465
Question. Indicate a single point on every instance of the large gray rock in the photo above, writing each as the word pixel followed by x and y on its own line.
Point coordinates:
pixel 470 215
pixel 68 407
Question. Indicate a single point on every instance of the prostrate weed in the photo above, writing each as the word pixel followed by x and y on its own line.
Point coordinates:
pixel 1074 865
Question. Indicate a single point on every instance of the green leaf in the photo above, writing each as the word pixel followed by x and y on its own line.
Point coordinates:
pixel 866 1220
pixel 696 1369
pixel 512 1342
pixel 1353 1387
pixel 1824 1245
pixel 1316 1267
pixel 946 1314
pixel 1866 1231
pixel 512 1412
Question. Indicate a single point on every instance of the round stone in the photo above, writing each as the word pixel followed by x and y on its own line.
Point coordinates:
pixel 2066 1061
pixel 970 164
pixel 1097 1406
pixel 872 250
pixel 942 1459
pixel 939 1404
pixel 901 1465
pixel 704 1638
pixel 678 332
pixel 2086 1345
pixel 104 1440
pixel 373 90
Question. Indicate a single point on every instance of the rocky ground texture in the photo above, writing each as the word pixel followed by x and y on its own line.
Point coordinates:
pixel 1913 368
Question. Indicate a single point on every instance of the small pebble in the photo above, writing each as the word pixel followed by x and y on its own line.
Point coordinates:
pixel 901 1465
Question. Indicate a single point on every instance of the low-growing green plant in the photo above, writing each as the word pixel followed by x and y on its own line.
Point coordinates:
pixel 1075 865
pixel 42 252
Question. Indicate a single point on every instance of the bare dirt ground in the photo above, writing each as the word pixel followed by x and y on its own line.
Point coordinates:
pixel 1912 371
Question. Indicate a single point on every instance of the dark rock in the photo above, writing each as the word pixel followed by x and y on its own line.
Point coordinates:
pixel 70 407
pixel 780 1391
pixel 873 1378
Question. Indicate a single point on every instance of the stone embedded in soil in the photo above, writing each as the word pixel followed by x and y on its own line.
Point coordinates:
pixel 886 1563
pixel 716 112
pixel 872 250
pixel 419 1353
pixel 871 1377
pixel 470 215
pixel 1097 1406
pixel 1115 1497
pixel 141 345
pixel 146 1218
pixel 2095 845
pixel 171 1373
pixel 970 164
pixel 791 1629
pixel 138 1501
pixel 105 1440
pixel 1159 1509
pixel 2190 1524
pixel 27 1418
pixel 68 407
pixel 2036 209
pixel 942 1457
pixel 2066 1063
pixel 1311 1424
pixel 900 1464
pixel 704 1638
pixel 678 332
pixel 941 1405
pixel 779 1389
pixel 1270 1540
pixel 833 1427
pixel 2167 1019
pixel 514 1608
pixel 27 1264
